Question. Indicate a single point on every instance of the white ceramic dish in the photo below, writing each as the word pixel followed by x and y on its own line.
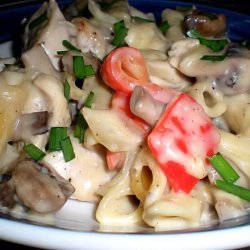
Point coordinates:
pixel 74 227
pixel 83 233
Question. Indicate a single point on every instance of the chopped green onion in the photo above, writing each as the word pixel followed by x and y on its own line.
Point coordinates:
pixel 89 100
pixel 81 126
pixel 193 33
pixel 141 19
pixel 120 32
pixel 67 149
pixel 66 90
pixel 239 191
pixel 213 58
pixel 62 52
pixel 38 21
pixel 223 167
pixel 78 67
pixel 70 46
pixel 214 45
pixel 34 152
pixel 56 135
pixel 88 70
pixel 164 26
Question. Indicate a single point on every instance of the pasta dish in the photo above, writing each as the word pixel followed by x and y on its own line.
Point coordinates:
pixel 149 119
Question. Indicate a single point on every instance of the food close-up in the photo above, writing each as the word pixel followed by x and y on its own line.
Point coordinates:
pixel 145 117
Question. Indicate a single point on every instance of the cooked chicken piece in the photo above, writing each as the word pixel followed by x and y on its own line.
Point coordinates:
pixel 87 172
pixel 50 33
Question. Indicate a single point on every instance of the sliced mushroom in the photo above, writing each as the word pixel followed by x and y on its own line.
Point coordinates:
pixel 7 192
pixel 38 191
pixel 143 105
pixel 30 124
pixel 207 26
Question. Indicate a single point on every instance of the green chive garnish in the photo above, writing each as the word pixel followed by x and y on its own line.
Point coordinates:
pixel 239 191
pixel 66 90
pixel 57 134
pixel 70 46
pixel 78 67
pixel 38 21
pixel 62 52
pixel 164 26
pixel 67 149
pixel 141 19
pixel 89 100
pixel 222 166
pixel 120 32
pixel 193 33
pixel 81 126
pixel 213 58
pixel 34 152
pixel 214 45
pixel 88 70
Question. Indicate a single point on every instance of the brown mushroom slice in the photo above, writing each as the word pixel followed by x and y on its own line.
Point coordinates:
pixel 7 191
pixel 144 106
pixel 38 191
pixel 207 26
pixel 30 124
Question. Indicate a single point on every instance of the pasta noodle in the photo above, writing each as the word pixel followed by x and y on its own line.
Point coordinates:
pixel 130 113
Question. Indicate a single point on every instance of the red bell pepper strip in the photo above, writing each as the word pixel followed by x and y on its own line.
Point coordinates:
pixel 182 134
pixel 115 160
pixel 125 68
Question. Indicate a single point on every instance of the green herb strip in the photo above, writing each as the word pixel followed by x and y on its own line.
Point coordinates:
pixel 38 21
pixel 164 26
pixel 57 134
pixel 67 149
pixel 120 32
pixel 214 45
pixel 89 100
pixel 222 166
pixel 80 69
pixel 34 152
pixel 80 128
pixel 239 191
pixel 213 58
pixel 66 90
pixel 70 46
